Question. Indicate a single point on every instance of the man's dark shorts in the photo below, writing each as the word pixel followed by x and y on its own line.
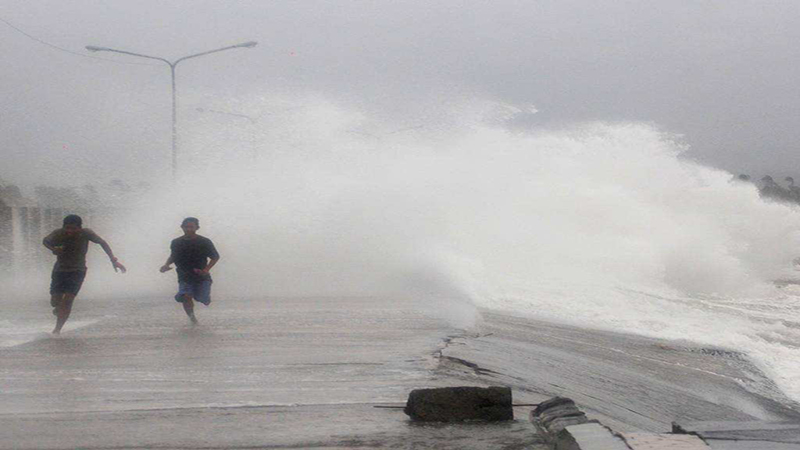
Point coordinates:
pixel 67 282
pixel 199 290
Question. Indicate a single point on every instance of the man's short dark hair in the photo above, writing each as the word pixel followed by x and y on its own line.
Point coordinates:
pixel 73 219
pixel 190 219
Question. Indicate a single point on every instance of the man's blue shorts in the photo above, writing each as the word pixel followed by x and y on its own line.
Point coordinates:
pixel 198 290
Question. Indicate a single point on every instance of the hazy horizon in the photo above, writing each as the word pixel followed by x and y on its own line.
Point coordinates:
pixel 717 74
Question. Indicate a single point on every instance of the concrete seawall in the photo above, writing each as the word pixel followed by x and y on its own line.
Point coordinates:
pixel 23 227
pixel 631 388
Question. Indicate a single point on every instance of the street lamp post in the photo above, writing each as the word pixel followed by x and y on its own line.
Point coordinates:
pixel 172 65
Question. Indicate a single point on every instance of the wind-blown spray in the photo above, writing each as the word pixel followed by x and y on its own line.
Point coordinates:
pixel 600 225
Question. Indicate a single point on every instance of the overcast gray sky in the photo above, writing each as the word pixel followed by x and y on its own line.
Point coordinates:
pixel 721 73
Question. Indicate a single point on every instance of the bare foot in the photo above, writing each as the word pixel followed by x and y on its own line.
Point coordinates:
pixel 194 320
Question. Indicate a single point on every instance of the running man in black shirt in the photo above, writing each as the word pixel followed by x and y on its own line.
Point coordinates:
pixel 194 256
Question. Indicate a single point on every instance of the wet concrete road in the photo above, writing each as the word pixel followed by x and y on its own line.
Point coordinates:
pixel 306 373
pixel 276 373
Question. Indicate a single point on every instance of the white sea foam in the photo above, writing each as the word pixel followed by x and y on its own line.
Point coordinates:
pixel 18 332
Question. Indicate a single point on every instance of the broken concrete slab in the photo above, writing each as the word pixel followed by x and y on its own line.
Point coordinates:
pixel 651 441
pixel 777 432
pixel 552 403
pixel 588 436
pixel 555 414
pixel 459 404
pixel 750 445
pixel 702 426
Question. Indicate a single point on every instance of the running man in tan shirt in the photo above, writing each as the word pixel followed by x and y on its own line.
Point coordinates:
pixel 70 245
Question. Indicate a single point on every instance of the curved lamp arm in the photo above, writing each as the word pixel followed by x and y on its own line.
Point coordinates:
pixel 93 48
pixel 249 44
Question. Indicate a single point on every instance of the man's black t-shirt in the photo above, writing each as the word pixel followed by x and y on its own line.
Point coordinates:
pixel 189 254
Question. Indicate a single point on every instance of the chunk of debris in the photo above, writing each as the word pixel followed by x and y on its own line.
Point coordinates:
pixel 552 416
pixel 589 436
pixel 460 404
pixel 659 441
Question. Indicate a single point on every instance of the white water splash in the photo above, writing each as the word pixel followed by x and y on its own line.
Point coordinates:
pixel 600 225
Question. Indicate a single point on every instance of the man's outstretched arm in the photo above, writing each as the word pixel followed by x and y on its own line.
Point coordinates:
pixel 167 264
pixel 213 258
pixel 107 248
pixel 211 263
